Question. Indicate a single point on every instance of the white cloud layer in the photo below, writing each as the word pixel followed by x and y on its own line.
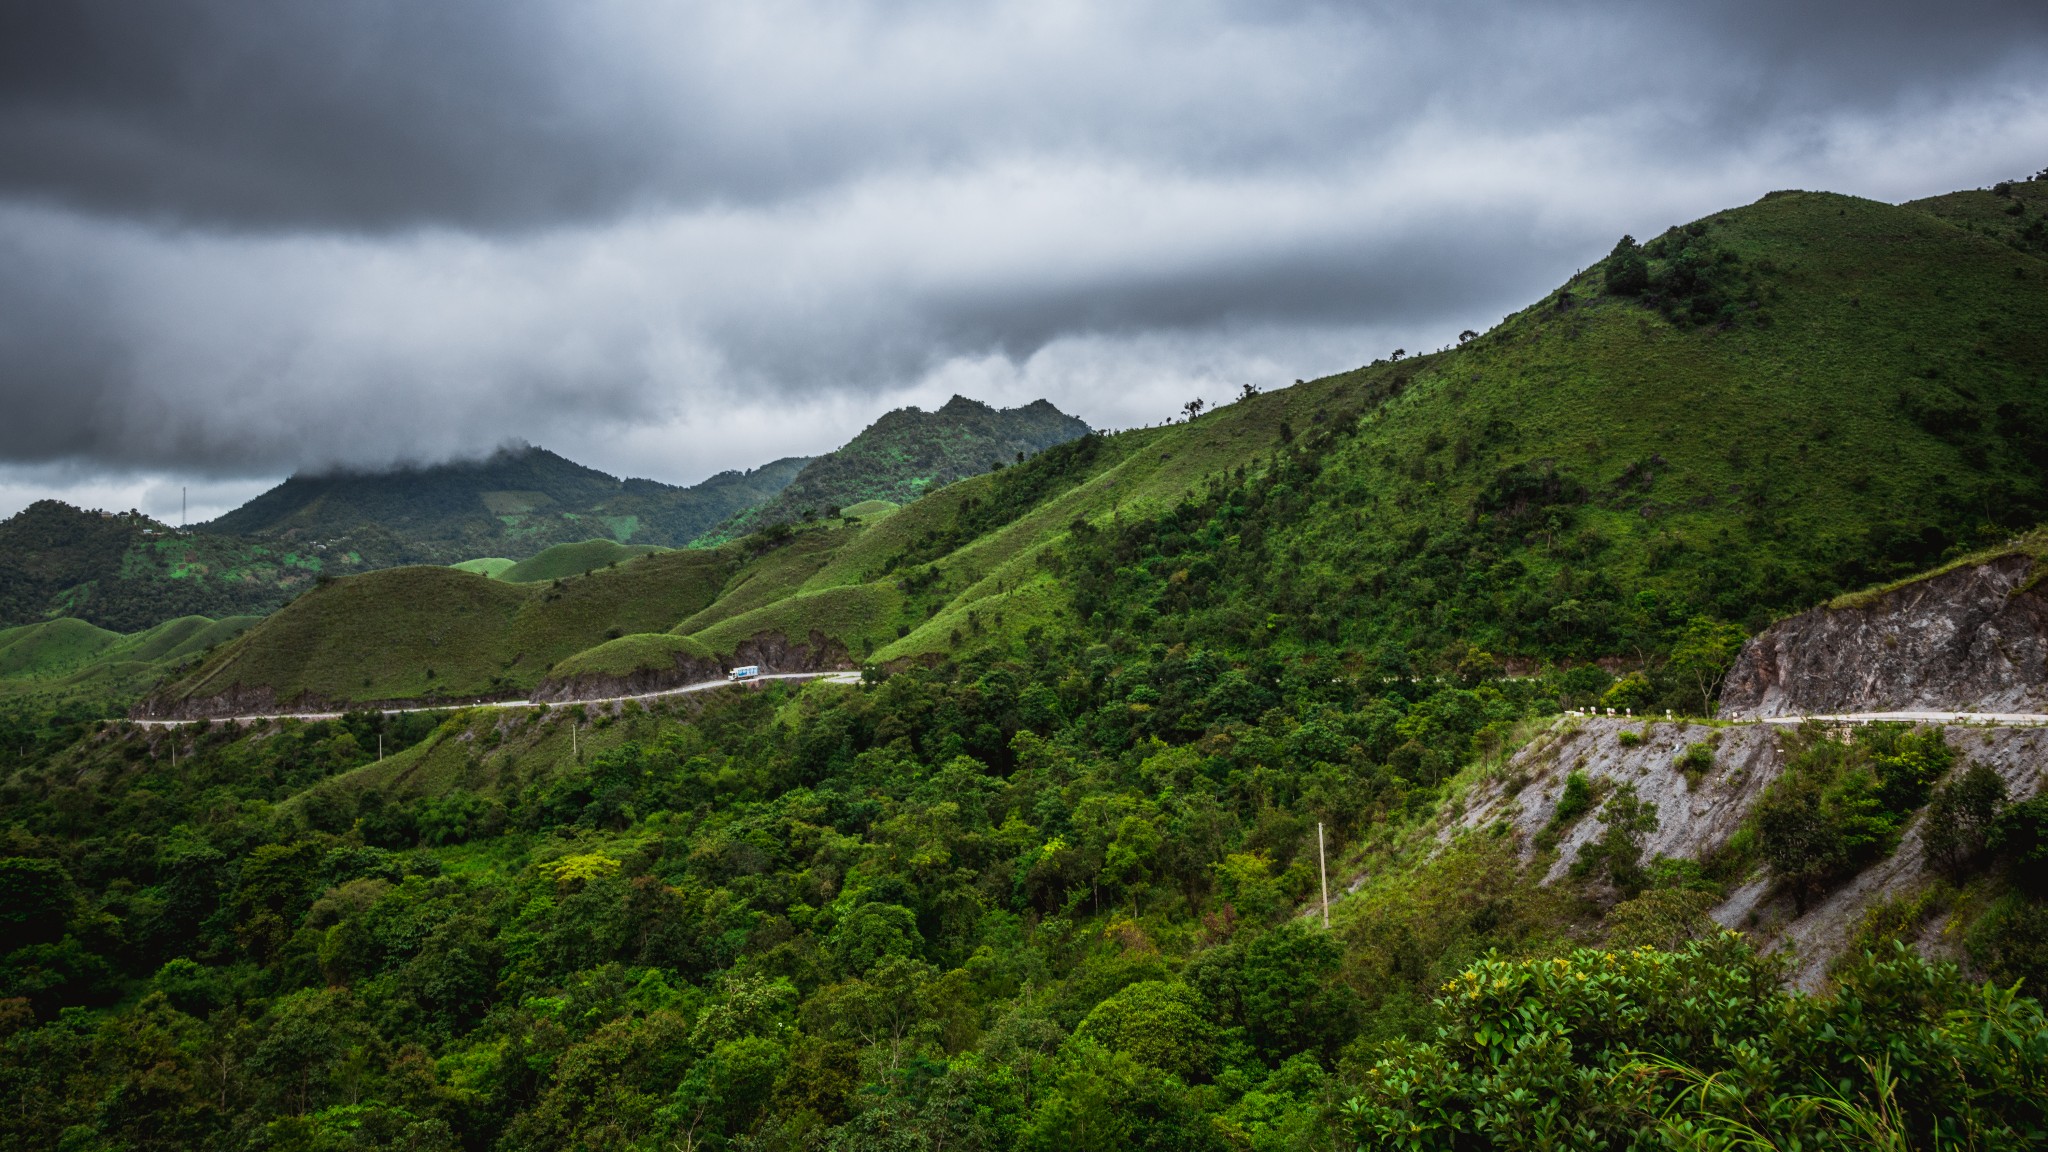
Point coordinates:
pixel 669 240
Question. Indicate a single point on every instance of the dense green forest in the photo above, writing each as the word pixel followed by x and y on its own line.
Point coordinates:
pixel 1051 875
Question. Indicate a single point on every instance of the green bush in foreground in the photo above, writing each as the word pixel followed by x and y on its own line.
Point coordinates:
pixel 1701 1049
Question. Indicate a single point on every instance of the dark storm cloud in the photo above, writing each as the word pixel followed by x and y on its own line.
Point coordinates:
pixel 381 113
pixel 245 237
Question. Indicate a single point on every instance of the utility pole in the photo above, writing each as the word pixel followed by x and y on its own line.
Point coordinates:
pixel 1323 867
pixel 184 504
pixel 380 747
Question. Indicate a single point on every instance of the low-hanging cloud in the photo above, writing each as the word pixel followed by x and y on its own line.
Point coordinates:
pixel 668 239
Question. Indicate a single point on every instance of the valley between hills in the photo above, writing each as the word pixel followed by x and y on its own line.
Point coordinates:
pixel 1476 749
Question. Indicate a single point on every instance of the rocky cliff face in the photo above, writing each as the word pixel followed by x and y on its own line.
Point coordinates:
pixel 593 686
pixel 1972 639
pixel 1697 816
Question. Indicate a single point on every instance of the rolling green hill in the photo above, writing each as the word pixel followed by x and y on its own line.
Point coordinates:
pixel 437 633
pixel 907 453
pixel 514 503
pixel 485 565
pixel 2014 211
pixel 68 659
pixel 1741 418
pixel 562 560
pixel 126 572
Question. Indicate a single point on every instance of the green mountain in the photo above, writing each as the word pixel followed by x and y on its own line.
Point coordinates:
pixel 1200 793
pixel 513 503
pixel 909 452
pixel 1742 418
pixel 126 572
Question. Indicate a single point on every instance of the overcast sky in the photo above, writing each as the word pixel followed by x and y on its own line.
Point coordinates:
pixel 666 239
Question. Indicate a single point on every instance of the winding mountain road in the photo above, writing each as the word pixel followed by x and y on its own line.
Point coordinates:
pixel 2003 719
pixel 706 686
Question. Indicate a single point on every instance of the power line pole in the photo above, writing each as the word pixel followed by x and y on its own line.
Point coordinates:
pixel 184 505
pixel 1323 867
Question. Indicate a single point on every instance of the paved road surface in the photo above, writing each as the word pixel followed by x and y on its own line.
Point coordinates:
pixel 2006 718
pixel 834 677
pixel 2003 718
pixel 1916 718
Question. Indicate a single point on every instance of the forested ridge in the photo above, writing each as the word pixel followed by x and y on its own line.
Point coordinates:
pixel 1050 876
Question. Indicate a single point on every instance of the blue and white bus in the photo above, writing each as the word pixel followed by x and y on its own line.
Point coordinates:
pixel 750 672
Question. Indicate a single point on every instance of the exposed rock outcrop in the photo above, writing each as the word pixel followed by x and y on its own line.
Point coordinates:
pixel 1696 818
pixel 775 652
pixel 598 686
pixel 1971 639
pixel 239 701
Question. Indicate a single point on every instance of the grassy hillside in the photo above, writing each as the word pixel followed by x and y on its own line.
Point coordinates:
pixel 1810 394
pixel 124 571
pixel 2014 211
pixel 1755 413
pixel 629 654
pixel 39 649
pixel 485 565
pixel 70 660
pixel 432 632
pixel 514 503
pixel 907 453
pixel 562 560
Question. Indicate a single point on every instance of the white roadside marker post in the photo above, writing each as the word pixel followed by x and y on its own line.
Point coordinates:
pixel 1323 868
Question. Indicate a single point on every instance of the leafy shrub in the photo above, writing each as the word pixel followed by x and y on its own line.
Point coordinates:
pixel 1628 274
pixel 1805 832
pixel 2010 941
pixel 1618 854
pixel 1696 762
pixel 1959 820
pixel 1630 692
pixel 1839 806
pixel 1697 1047
pixel 1661 918
pixel 1907 762
pixel 1161 1024
pixel 2020 838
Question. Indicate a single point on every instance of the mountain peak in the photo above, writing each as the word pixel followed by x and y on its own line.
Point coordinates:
pixel 961 406
pixel 909 452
